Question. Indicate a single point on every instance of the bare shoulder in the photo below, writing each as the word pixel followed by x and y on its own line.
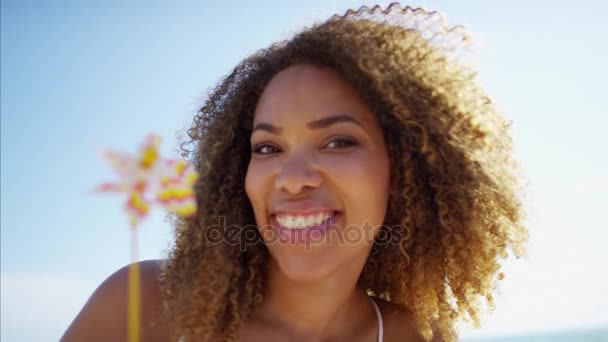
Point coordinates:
pixel 399 324
pixel 104 316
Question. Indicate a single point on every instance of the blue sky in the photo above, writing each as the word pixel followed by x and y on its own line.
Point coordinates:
pixel 76 75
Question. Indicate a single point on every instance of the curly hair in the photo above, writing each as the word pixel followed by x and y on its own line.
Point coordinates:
pixel 455 206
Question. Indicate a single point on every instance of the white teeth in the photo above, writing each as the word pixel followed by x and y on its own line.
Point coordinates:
pixel 299 221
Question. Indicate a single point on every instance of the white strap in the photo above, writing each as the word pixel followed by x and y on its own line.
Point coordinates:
pixel 379 316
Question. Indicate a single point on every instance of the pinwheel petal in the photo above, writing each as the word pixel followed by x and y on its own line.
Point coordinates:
pixel 149 154
pixel 123 164
pixel 137 207
pixel 113 187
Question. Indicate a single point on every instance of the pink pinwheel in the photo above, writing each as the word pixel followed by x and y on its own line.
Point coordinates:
pixel 148 180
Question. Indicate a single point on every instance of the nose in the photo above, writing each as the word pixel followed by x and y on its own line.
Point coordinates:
pixel 297 174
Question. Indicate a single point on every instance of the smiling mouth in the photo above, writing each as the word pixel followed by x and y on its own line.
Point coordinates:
pixel 298 232
pixel 304 221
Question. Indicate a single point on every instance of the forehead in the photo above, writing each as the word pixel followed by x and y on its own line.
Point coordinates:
pixel 306 92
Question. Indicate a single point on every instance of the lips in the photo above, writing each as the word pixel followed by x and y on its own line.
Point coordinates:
pixel 298 210
pixel 301 221
pixel 304 235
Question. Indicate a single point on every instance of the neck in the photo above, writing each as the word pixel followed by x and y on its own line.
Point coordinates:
pixel 324 309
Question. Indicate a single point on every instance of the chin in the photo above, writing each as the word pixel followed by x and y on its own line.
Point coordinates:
pixel 302 268
pixel 305 275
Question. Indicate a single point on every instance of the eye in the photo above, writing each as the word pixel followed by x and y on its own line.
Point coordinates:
pixel 264 149
pixel 338 143
pixel 342 143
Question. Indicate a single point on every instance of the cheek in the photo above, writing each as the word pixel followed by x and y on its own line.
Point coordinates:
pixel 255 187
pixel 365 183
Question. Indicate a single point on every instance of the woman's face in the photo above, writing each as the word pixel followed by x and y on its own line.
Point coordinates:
pixel 319 175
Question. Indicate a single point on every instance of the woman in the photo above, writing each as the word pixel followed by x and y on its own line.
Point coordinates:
pixel 355 184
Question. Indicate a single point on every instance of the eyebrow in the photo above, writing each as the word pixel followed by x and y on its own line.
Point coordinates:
pixel 317 124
